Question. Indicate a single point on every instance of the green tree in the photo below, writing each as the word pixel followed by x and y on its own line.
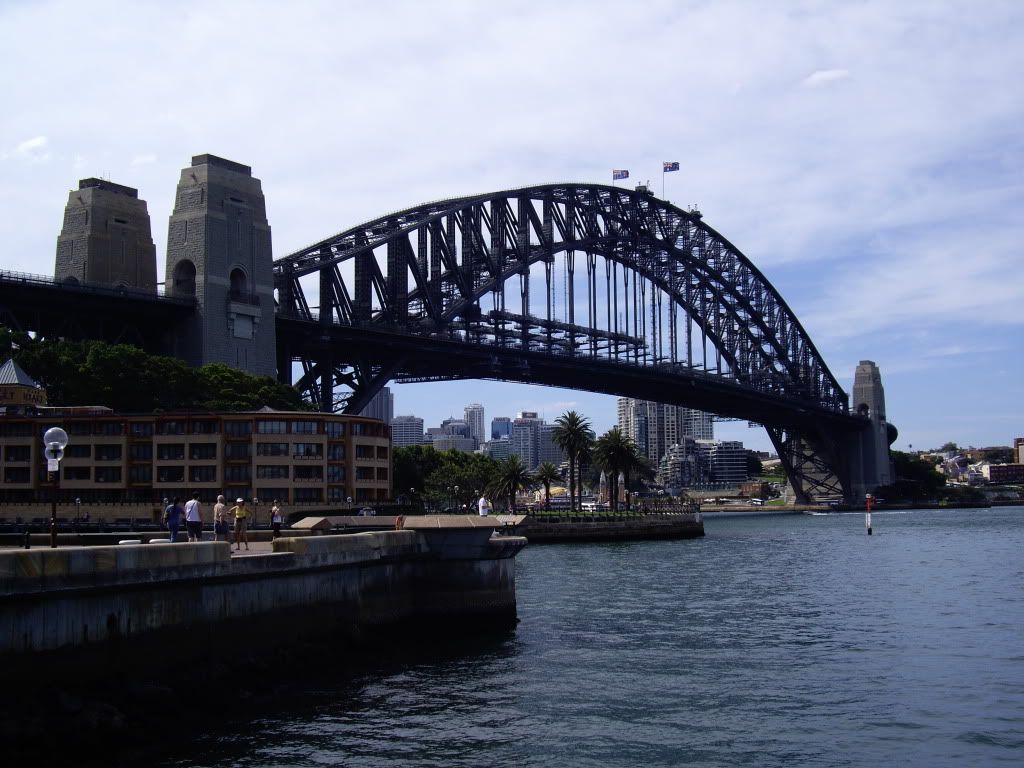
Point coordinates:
pixel 546 474
pixel 512 477
pixel 615 453
pixel 127 379
pixel 573 434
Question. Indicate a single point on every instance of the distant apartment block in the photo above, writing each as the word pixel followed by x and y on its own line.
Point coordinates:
pixel 296 457
pixel 406 430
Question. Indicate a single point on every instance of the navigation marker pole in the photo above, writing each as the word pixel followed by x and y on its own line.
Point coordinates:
pixel 868 498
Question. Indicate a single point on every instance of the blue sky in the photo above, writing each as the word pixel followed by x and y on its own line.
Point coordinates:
pixel 866 156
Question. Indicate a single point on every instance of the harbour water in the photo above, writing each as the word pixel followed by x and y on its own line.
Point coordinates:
pixel 789 640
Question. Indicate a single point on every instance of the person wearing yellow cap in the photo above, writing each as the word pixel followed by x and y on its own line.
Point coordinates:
pixel 241 514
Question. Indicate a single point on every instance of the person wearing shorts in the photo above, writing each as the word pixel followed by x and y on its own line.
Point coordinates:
pixel 194 518
pixel 241 514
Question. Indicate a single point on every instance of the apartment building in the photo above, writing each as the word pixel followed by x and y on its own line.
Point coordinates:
pixel 296 457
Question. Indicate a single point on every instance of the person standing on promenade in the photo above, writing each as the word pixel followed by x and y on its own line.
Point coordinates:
pixel 276 518
pixel 172 516
pixel 220 520
pixel 194 518
pixel 241 514
pixel 484 506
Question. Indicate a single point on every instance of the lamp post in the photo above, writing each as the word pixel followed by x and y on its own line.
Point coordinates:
pixel 55 439
pixel 456 504
pixel 255 513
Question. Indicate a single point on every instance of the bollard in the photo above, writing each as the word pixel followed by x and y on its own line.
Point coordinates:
pixel 28 539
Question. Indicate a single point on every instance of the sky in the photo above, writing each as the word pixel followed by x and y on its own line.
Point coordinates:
pixel 865 156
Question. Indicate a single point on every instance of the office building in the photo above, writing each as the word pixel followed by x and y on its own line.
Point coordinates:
pixel 406 430
pixel 474 414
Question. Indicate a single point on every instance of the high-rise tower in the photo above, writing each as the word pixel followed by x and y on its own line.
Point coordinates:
pixel 106 238
pixel 218 250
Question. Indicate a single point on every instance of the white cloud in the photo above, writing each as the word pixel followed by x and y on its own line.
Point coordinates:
pixel 34 150
pixel 823 77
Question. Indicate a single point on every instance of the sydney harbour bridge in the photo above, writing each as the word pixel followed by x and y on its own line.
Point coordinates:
pixel 583 286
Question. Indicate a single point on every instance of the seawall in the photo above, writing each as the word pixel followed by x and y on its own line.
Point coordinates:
pixel 72 598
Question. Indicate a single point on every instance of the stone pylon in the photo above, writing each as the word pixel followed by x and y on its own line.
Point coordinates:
pixel 106 238
pixel 219 251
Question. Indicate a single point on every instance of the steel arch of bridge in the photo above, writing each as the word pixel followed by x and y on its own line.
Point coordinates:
pixel 674 313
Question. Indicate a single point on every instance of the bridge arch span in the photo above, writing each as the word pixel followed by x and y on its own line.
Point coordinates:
pixel 520 284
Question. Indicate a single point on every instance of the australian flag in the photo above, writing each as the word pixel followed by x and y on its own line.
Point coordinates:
pixel 667 166
pixel 618 175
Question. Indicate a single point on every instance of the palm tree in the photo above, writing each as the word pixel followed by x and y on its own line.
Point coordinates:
pixel 615 453
pixel 546 474
pixel 573 434
pixel 512 478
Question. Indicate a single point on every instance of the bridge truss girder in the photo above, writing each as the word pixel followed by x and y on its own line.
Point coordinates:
pixel 581 275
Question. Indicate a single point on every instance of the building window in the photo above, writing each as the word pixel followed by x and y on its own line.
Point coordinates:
pixel 17 429
pixel 140 452
pixel 364 473
pixel 271 472
pixel 382 452
pixel 309 472
pixel 108 453
pixel 142 473
pixel 336 493
pixel 141 429
pixel 77 473
pixel 202 451
pixel 335 428
pixel 358 429
pixel 108 474
pixel 336 451
pixel 18 453
pixel 382 474
pixel 111 428
pixel 238 428
pixel 335 473
pixel 308 495
pixel 271 449
pixel 170 452
pixel 170 428
pixel 269 494
pixel 205 427
pixel 202 474
pixel 305 427
pixel 170 474
pixel 364 451
pixel 237 450
pixel 79 428
pixel 237 474
pixel 78 451
pixel 17 475
pixel 272 427
pixel 309 450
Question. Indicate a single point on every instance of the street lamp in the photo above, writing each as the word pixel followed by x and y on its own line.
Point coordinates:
pixel 456 505
pixel 255 513
pixel 55 439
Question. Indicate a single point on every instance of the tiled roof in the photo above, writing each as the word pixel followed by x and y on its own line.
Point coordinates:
pixel 12 373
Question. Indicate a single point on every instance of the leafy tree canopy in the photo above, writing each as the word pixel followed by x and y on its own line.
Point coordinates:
pixel 129 380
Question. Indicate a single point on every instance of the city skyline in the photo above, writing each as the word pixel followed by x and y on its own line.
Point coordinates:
pixel 865 159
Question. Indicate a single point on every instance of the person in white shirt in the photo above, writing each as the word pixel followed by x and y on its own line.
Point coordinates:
pixel 194 518
pixel 484 506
